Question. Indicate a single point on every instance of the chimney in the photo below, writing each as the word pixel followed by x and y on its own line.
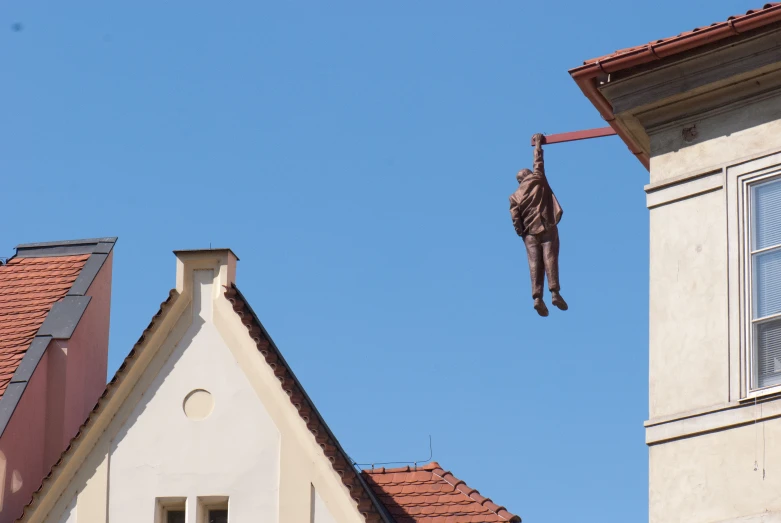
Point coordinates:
pixel 62 371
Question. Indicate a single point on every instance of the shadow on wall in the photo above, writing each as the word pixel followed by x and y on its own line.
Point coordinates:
pixel 162 372
pixel 91 465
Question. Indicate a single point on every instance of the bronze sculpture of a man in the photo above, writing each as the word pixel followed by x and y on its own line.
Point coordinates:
pixel 536 213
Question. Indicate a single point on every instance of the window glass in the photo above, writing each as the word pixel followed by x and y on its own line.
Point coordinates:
pixel 766 216
pixel 768 360
pixel 766 283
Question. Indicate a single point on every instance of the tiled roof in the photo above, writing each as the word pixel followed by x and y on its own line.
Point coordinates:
pixel 28 289
pixel 699 36
pixel 430 494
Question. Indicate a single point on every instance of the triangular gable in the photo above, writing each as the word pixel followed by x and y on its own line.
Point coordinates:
pixel 83 470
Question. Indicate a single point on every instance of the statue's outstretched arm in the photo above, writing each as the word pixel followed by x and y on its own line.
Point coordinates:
pixel 539 158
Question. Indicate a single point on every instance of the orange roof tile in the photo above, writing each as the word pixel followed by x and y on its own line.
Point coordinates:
pixel 430 494
pixel 769 13
pixel 28 289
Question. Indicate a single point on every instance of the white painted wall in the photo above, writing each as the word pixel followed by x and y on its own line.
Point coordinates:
pixel 234 452
pixel 320 512
pixel 253 448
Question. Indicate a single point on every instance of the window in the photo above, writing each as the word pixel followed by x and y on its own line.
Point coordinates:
pixel 765 283
pixel 218 516
pixel 171 510
pixel 209 509
pixel 213 509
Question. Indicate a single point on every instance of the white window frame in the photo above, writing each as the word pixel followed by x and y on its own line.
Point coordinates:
pixel 750 377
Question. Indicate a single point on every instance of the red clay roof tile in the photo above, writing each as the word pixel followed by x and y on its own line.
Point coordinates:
pixel 430 494
pixel 769 13
pixel 28 289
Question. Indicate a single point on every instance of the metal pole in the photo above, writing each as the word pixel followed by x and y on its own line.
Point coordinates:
pixel 578 135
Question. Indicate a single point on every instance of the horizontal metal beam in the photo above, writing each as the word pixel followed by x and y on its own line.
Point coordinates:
pixel 578 135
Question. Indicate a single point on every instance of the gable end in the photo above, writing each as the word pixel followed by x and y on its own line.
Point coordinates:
pixel 371 509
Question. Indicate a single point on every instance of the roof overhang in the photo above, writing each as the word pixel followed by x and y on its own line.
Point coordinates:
pixel 638 89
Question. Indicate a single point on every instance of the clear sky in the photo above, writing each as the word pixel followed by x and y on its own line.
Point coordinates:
pixel 358 157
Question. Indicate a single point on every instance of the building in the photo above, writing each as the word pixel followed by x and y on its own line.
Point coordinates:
pixel 702 111
pixel 206 422
pixel 54 324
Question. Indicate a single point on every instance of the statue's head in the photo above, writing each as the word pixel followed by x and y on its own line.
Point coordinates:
pixel 523 173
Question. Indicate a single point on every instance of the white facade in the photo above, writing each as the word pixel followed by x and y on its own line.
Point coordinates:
pixel 713 431
pixel 160 452
pixel 195 421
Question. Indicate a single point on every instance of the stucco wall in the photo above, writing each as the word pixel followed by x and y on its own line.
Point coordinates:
pixel 233 452
pixel 689 250
pixel 254 448
pixel 711 477
pixel 742 131
pixel 320 512
pixel 688 305
pixel 87 351
pixel 708 474
pixel 22 447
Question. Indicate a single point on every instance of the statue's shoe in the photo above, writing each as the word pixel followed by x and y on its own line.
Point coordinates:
pixel 540 307
pixel 558 301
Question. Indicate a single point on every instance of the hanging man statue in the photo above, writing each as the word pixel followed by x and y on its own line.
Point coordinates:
pixel 536 213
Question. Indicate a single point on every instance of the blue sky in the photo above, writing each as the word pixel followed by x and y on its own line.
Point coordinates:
pixel 358 156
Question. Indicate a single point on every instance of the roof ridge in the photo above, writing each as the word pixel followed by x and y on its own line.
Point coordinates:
pixel 65 247
pixel 78 241
pixel 474 495
pixel 382 470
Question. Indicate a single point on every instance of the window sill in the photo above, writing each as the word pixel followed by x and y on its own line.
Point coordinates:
pixel 765 394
